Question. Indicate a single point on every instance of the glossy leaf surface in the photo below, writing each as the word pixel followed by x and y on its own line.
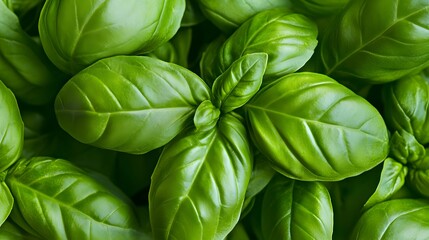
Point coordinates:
pixel 379 41
pixel 228 15
pixel 288 38
pixel 392 179
pixel 296 210
pixel 59 201
pixel 24 67
pixel 394 219
pixel 75 34
pixel 239 83
pixel 199 184
pixel 11 129
pixel 141 103
pixel 299 123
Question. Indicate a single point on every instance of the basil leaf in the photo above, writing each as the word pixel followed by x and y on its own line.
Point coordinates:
pixel 379 41
pixel 199 184
pixel 394 219
pixel 10 231
pixel 418 177
pixel 6 202
pixel 59 201
pixel 24 67
pixel 141 103
pixel 70 31
pixel 11 129
pixel 192 15
pixel 405 148
pixel 206 116
pixel 406 106
pixel 229 15
pixel 299 123
pixel 391 180
pixel 288 38
pixel 321 8
pixel 239 82
pixel 296 210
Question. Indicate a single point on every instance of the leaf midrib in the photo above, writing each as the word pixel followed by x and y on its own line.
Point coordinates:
pixel 363 46
pixel 315 122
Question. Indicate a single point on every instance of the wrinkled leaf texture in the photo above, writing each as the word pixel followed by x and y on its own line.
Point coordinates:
pixel 313 128
pixel 140 104
pixel 57 200
pixel 199 184
pixel 379 41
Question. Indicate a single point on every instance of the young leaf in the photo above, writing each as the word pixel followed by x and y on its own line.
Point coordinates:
pixel 405 148
pixel 206 116
pixel 391 180
pixel 378 41
pixel 11 128
pixel 418 177
pixel 239 82
pixel 141 103
pixel 288 38
pixel 394 219
pixel 6 202
pixel 199 184
pixel 312 128
pixel 57 200
pixel 296 210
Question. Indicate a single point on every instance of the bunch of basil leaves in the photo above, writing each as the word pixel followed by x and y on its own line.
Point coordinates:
pixel 196 119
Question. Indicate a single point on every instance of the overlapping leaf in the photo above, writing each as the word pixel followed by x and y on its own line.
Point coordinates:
pixel 288 38
pixel 11 129
pixel 129 103
pixel 57 200
pixel 313 128
pixel 296 210
pixel 379 41
pixel 199 184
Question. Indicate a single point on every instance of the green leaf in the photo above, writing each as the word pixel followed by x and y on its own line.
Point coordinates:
pixel 206 116
pixel 312 128
pixel 11 128
pixel 418 177
pixel 394 219
pixel 199 184
pixel 391 180
pixel 192 15
pixel 6 202
pixel 10 231
pixel 141 103
pixel 57 200
pixel 321 8
pixel 405 148
pixel 296 210
pixel 378 41
pixel 288 38
pixel 24 67
pixel 76 34
pixel 240 82
pixel 229 15
pixel 406 106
